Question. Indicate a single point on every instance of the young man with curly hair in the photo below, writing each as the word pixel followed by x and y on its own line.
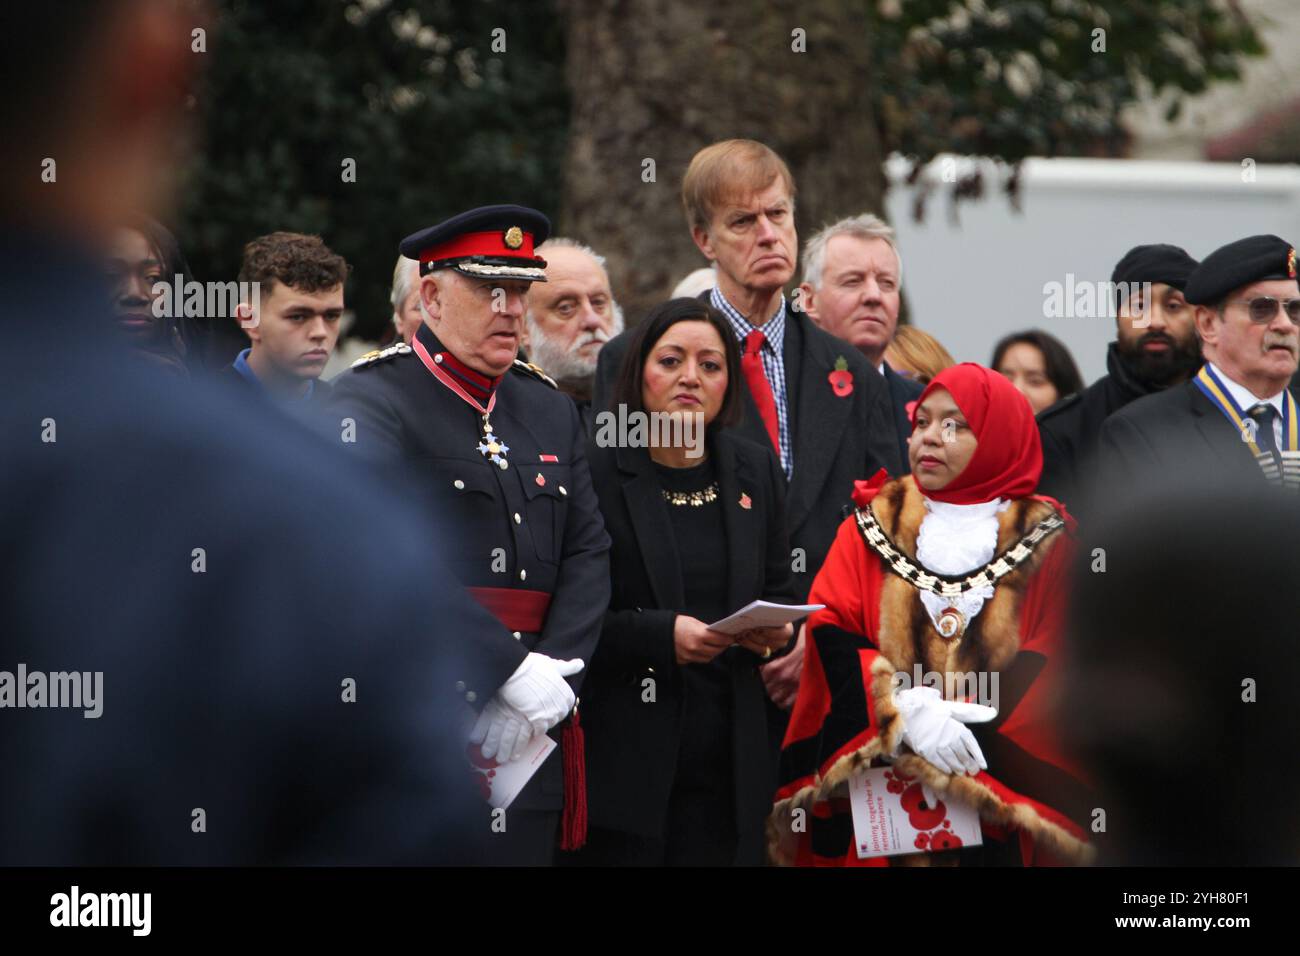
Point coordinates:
pixel 292 321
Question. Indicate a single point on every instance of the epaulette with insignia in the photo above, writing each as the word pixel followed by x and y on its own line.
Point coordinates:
pixel 401 348
pixel 531 370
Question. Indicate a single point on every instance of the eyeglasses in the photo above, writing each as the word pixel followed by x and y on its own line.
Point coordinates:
pixel 1264 307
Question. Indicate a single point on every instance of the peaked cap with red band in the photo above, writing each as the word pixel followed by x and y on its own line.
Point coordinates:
pixel 490 242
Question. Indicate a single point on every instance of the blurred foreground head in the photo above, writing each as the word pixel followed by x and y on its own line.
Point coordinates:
pixel 223 683
pixel 102 101
pixel 1183 674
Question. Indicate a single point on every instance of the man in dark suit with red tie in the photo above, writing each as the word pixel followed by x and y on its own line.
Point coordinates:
pixel 813 399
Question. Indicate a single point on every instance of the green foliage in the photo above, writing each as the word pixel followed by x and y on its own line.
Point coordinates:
pixel 1017 78
pixel 437 122
pixel 412 91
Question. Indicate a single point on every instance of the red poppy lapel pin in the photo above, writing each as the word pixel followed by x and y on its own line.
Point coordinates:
pixel 841 379
pixel 745 501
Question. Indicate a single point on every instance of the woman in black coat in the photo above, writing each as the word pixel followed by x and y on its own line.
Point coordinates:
pixel 679 766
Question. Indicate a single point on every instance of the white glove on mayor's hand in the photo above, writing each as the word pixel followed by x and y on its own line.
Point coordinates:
pixel 539 691
pixel 936 729
pixel 502 731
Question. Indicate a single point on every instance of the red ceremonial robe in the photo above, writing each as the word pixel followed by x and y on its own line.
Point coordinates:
pixel 874 625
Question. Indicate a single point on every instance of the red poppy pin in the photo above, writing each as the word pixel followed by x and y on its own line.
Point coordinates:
pixel 841 379
pixel 745 501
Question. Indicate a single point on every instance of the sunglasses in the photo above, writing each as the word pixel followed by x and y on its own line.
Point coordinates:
pixel 1264 307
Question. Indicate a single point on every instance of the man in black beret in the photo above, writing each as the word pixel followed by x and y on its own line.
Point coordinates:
pixel 499 453
pixel 1155 348
pixel 1236 414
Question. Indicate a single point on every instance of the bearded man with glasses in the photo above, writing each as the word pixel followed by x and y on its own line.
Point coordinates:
pixel 1236 414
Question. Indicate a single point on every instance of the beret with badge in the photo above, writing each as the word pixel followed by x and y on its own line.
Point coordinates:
pixel 490 242
pixel 1253 259
pixel 1154 263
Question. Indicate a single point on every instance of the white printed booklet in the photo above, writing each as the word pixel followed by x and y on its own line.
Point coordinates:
pixel 891 817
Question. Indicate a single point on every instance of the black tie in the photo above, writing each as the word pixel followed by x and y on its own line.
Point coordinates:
pixel 1263 415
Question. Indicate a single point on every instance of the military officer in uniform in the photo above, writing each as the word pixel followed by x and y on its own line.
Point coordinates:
pixel 498 452
pixel 1236 414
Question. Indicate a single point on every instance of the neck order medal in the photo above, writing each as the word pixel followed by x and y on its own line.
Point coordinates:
pixel 491 447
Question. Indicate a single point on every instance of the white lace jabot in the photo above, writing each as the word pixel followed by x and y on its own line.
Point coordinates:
pixel 955 539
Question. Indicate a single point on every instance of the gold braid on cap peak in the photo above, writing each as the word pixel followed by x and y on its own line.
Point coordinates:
pixel 531 370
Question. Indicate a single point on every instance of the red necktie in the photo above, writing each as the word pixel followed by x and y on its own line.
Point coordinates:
pixel 751 364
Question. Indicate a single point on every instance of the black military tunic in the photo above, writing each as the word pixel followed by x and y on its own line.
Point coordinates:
pixel 529 538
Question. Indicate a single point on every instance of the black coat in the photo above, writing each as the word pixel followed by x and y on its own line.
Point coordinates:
pixel 1175 433
pixel 901 392
pixel 533 526
pixel 836 440
pixel 632 745
pixel 1071 428
pixel 584 414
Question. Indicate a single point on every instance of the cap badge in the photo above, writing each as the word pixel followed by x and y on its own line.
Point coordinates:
pixel 514 237
pixel 1290 264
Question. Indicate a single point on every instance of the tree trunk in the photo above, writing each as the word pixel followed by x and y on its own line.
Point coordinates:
pixel 659 80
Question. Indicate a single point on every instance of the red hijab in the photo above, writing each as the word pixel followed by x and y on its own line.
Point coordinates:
pixel 1009 458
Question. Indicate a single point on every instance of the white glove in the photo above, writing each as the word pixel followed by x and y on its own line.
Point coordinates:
pixel 539 691
pixel 936 729
pixel 502 731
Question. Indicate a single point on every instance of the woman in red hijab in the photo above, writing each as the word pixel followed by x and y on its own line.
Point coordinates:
pixel 936 652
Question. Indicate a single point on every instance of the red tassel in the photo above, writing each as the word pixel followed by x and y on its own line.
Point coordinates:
pixel 573 827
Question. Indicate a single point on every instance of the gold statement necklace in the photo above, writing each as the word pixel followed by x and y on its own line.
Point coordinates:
pixel 693 499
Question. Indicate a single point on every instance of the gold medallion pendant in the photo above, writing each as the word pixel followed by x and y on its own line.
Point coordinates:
pixel 951 623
